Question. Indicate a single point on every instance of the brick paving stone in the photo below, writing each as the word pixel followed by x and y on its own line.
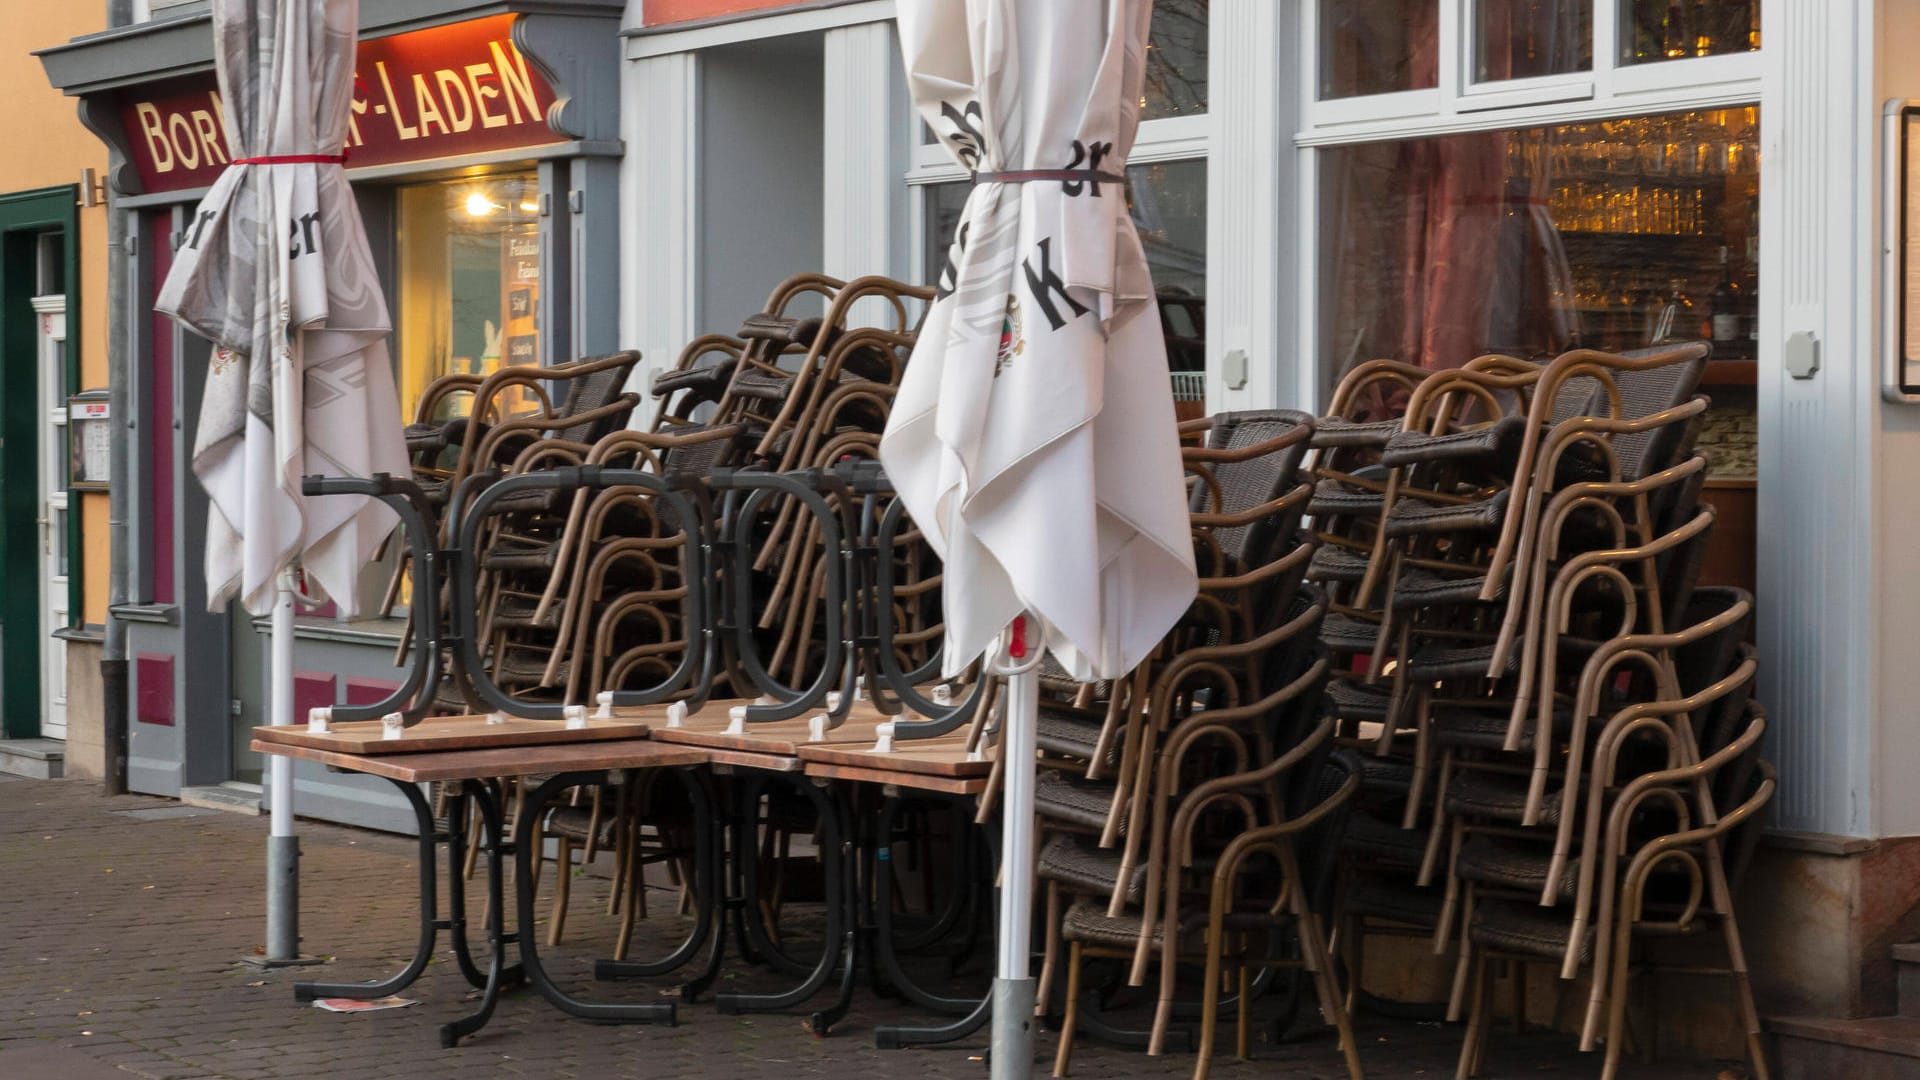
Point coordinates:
pixel 132 930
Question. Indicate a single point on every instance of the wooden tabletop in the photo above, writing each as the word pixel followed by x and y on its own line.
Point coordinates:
pixel 944 756
pixel 498 761
pixel 708 728
pixel 363 737
pixel 948 785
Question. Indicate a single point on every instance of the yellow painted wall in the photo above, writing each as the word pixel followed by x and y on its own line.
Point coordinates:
pixel 42 119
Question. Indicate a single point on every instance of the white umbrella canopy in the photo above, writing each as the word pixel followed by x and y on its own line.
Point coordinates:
pixel 1033 437
pixel 277 272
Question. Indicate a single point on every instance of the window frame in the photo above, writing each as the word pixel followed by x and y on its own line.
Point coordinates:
pixel 1617 90
pixel 1458 102
pixel 1169 138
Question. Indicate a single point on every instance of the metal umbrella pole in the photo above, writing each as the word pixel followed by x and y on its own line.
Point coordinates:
pixel 1013 984
pixel 283 847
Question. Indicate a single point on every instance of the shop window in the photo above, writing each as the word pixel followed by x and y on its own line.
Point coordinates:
pixel 1613 235
pixel 1524 39
pixel 469 282
pixel 1377 46
pixel 1176 83
pixel 1169 204
pixel 1176 80
pixel 1656 30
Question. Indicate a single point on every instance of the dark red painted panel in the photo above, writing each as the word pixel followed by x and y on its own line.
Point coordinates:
pixel 658 12
pixel 158 227
pixel 368 691
pixel 153 694
pixel 311 690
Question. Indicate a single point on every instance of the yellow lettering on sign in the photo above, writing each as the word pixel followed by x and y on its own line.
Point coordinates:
pixel 154 130
pixel 454 93
pixel 405 130
pixel 425 106
pixel 180 134
pixel 355 111
pixel 209 137
pixel 517 80
pixel 482 93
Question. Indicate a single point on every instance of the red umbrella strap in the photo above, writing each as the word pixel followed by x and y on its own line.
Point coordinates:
pixel 293 159
pixel 1023 176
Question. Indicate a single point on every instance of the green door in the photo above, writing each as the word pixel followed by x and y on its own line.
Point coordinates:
pixel 25 219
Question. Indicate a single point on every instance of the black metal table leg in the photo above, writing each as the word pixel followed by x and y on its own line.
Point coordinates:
pixel 830 855
pixel 456 921
pixel 973 1013
pixel 725 902
pixel 524 854
pixel 430 922
pixel 704 899
pixel 498 976
pixel 822 1021
pixel 886 950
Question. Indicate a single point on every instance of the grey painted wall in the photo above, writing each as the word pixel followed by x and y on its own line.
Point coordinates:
pixel 760 173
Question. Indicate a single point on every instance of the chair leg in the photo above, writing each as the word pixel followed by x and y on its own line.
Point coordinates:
pixel 1743 998
pixel 1456 997
pixel 1242 1042
pixel 1476 1019
pixel 1214 945
pixel 1063 1057
pixel 562 887
pixel 1352 955
pixel 1422 761
pixel 1313 948
pixel 1043 993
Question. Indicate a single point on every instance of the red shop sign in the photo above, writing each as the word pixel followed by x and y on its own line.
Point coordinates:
pixel 459 89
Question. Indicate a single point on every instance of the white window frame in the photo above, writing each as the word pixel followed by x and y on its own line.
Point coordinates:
pixel 1454 107
pixel 1459 104
pixel 1170 138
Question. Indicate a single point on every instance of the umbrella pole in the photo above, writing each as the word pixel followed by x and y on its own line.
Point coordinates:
pixel 1013 985
pixel 283 847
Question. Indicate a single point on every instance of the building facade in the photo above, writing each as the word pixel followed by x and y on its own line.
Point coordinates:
pixel 1317 182
pixel 484 152
pixel 1321 182
pixel 53 531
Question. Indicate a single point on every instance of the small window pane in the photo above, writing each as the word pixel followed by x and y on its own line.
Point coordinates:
pixel 1655 30
pixel 1169 204
pixel 469 288
pixel 1176 60
pixel 1611 235
pixel 1378 46
pixel 1523 39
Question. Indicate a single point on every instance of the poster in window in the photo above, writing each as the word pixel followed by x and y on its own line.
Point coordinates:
pixel 1900 253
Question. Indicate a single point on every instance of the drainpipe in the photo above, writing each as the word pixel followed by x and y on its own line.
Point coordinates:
pixel 113 660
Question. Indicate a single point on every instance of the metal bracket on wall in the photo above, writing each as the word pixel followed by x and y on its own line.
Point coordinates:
pixel 1801 355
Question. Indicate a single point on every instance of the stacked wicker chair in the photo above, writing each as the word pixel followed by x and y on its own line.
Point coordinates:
pixel 1530 584
pixel 1184 807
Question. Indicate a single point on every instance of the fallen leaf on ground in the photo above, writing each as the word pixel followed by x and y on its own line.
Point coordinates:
pixel 261 982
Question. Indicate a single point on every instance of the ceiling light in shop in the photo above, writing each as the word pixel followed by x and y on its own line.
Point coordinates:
pixel 478 205
pixel 528 206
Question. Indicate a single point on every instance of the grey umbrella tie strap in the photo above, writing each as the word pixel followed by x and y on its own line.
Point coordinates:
pixel 1028 176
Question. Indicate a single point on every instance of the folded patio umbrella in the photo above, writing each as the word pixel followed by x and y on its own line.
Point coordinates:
pixel 275 270
pixel 1033 438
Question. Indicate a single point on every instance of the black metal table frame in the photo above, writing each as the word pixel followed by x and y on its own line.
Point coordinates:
pixel 499 975
pixel 706 887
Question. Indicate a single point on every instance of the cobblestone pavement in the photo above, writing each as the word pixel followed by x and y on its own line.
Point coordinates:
pixel 127 932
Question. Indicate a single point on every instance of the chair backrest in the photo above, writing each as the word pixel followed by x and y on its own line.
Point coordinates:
pixel 1655 390
pixel 595 389
pixel 1242 485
